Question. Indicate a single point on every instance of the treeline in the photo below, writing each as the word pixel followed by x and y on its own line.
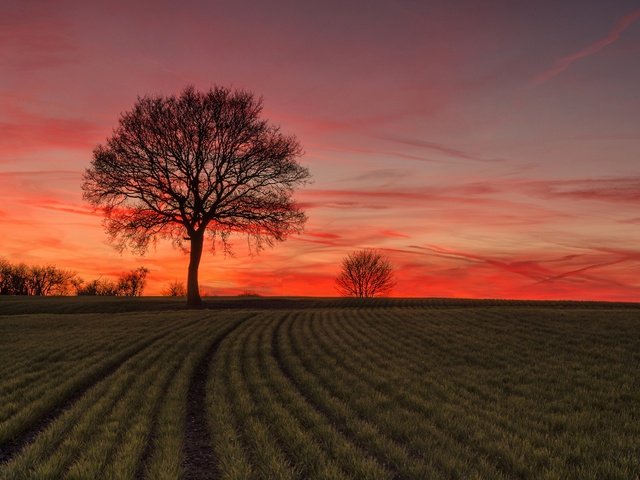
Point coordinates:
pixel 22 279
pixel 130 284
pixel 41 280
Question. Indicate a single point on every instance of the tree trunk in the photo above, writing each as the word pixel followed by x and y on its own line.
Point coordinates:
pixel 193 289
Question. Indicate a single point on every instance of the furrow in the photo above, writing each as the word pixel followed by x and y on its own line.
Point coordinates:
pixel 199 459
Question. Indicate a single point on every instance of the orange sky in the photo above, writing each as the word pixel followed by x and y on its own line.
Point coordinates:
pixel 491 149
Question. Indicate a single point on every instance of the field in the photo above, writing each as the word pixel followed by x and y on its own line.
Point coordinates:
pixel 318 389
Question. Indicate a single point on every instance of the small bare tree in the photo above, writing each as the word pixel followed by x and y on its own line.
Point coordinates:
pixel 49 280
pixel 365 273
pixel 178 167
pixel 132 284
pixel 175 289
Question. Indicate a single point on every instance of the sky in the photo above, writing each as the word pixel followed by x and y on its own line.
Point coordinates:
pixel 489 149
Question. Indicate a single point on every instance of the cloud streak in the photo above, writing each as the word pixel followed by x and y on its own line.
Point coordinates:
pixel 542 275
pixel 617 190
pixel 23 131
pixel 565 62
pixel 438 147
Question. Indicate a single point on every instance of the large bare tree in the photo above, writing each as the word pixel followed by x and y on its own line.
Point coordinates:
pixel 177 167
pixel 365 273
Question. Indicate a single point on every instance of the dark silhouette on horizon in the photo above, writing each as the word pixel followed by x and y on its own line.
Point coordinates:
pixel 130 284
pixel 365 274
pixel 179 166
pixel 34 280
pixel 175 288
pixel 48 280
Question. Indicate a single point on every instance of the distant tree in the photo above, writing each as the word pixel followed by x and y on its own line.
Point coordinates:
pixel 175 289
pixel 41 279
pixel 132 284
pixel 365 273
pixel 19 279
pixel 178 167
pixel 5 277
pixel 98 287
pixel 77 284
pixel 49 280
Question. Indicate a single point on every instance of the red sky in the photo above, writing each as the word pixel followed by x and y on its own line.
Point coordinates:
pixel 491 149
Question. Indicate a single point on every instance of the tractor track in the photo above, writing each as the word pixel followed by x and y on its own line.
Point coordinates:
pixel 199 461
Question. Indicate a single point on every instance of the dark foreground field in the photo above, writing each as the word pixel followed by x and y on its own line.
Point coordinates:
pixel 318 389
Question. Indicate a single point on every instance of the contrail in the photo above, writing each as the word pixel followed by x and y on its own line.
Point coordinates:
pixel 564 62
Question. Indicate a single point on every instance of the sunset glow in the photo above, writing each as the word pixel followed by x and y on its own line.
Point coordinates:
pixel 490 149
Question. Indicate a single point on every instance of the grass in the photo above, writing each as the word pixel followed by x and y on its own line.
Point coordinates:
pixel 298 388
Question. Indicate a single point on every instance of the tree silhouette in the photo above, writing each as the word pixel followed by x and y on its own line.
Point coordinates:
pixel 22 279
pixel 365 273
pixel 132 284
pixel 175 289
pixel 49 280
pixel 178 167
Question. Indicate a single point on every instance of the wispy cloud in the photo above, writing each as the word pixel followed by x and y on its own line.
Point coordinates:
pixel 542 275
pixel 34 40
pixel 565 62
pixel 23 131
pixel 437 147
pixel 393 234
pixel 58 206
pixel 618 189
pixel 52 174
